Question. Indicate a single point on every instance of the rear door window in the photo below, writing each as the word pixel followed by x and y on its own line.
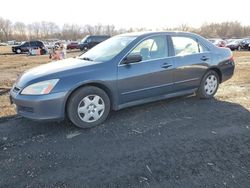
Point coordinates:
pixel 33 43
pixel 39 43
pixel 185 46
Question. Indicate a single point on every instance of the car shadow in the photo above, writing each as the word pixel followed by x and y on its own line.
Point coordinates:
pixel 167 113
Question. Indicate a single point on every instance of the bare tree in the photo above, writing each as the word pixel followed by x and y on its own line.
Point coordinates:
pixel 108 30
pixel 34 30
pixel 5 29
pixel 71 31
pixel 44 30
pixel 184 27
pixel 53 29
pixel 89 29
pixel 20 31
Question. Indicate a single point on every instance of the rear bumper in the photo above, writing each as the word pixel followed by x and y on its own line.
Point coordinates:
pixel 42 107
pixel 227 70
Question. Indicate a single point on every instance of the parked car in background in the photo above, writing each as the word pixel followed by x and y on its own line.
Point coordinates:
pixel 3 44
pixel 49 45
pixel 245 43
pixel 91 40
pixel 123 71
pixel 218 42
pixel 26 46
pixel 235 44
pixel 11 42
pixel 73 45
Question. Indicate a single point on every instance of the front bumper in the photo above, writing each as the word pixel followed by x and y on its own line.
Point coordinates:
pixel 40 107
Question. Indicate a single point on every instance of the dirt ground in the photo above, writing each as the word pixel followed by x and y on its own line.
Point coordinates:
pixel 11 66
pixel 179 142
pixel 235 90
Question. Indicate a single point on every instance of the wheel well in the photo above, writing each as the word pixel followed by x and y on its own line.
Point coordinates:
pixel 101 86
pixel 218 72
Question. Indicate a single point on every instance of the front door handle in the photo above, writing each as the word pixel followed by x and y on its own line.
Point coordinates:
pixel 166 65
pixel 204 58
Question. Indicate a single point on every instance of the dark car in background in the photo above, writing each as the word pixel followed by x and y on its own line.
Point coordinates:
pixel 123 71
pixel 26 46
pixel 92 40
pixel 73 45
pixel 245 43
pixel 235 44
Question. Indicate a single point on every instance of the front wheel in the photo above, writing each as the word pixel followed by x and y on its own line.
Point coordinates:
pixel 18 51
pixel 88 106
pixel 209 85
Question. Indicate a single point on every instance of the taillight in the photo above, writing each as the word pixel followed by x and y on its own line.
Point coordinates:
pixel 231 60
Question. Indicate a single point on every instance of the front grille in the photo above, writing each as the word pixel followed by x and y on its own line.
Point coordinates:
pixel 25 109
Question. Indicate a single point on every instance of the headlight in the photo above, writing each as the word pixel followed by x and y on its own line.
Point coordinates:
pixel 40 88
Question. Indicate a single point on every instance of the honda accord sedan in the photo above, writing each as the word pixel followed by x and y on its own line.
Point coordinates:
pixel 123 71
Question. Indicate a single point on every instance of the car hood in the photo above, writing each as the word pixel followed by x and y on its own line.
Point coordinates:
pixel 46 70
pixel 14 46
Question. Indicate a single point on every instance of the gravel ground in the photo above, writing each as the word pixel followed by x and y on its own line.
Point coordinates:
pixel 183 142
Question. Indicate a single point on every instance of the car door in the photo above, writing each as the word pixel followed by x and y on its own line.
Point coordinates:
pixel 151 77
pixel 25 47
pixel 191 62
pixel 33 45
pixel 93 41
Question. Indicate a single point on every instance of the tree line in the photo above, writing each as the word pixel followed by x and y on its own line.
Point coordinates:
pixel 48 30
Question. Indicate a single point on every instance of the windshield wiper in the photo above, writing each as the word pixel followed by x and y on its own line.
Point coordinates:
pixel 86 58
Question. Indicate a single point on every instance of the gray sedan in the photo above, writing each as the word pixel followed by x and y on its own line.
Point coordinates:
pixel 123 71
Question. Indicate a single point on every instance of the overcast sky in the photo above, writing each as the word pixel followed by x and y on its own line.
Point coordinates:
pixel 127 13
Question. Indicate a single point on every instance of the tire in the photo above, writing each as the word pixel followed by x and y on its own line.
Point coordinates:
pixel 88 107
pixel 18 51
pixel 209 85
pixel 85 49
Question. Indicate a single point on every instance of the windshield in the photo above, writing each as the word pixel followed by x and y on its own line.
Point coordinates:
pixel 83 40
pixel 108 49
pixel 234 42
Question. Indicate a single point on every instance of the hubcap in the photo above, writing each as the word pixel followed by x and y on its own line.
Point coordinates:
pixel 211 84
pixel 91 108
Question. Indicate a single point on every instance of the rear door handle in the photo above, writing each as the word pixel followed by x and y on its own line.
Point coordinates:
pixel 166 65
pixel 204 58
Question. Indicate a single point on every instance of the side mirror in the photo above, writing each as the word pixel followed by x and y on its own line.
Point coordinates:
pixel 132 58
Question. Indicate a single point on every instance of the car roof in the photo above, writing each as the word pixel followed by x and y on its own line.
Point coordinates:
pixel 141 35
pixel 148 33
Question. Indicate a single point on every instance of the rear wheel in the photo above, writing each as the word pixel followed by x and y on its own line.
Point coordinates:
pixel 209 85
pixel 88 106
